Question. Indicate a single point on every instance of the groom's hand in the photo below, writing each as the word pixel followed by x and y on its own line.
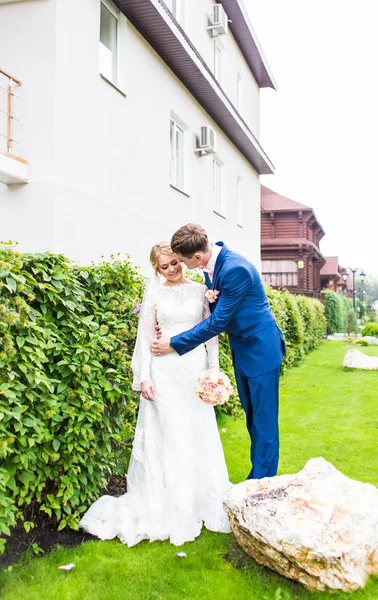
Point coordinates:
pixel 162 346
pixel 158 332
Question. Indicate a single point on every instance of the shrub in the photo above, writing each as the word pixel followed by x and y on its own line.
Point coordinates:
pixel 370 329
pixel 301 320
pixel 351 321
pixel 333 312
pixel 69 413
pixel 312 313
pixel 232 407
pixel 294 331
pixel 339 313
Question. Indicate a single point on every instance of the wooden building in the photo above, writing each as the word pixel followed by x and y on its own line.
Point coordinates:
pixel 290 236
pixel 331 277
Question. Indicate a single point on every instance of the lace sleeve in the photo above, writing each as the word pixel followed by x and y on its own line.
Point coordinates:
pixel 212 345
pixel 141 362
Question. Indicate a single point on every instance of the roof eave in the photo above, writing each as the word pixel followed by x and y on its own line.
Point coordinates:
pixel 294 209
pixel 157 25
pixel 246 38
pixel 274 243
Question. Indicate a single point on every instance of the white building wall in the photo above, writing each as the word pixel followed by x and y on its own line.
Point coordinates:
pixel 196 21
pixel 99 159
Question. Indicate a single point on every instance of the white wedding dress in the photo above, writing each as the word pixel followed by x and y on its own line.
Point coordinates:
pixel 177 475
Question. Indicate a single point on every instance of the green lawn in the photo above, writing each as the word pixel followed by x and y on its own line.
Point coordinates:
pixel 325 411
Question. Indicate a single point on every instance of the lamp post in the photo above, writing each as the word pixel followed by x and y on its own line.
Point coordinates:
pixel 354 271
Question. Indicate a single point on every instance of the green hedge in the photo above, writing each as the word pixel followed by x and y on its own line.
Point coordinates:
pixel 301 320
pixel 66 337
pixel 67 412
pixel 370 329
pixel 339 312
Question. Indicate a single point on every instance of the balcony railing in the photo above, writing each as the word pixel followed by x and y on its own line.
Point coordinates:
pixel 9 85
pixel 13 169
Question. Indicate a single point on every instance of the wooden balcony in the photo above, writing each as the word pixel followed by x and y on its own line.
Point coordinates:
pixel 13 168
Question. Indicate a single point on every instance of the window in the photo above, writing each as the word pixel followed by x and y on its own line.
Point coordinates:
pixel 238 91
pixel 218 198
pixel 218 58
pixel 239 206
pixel 177 8
pixel 280 273
pixel 177 155
pixel 109 42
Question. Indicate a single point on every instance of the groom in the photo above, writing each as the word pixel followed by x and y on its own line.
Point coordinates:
pixel 257 344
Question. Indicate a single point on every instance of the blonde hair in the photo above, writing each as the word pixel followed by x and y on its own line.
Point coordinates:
pixel 156 251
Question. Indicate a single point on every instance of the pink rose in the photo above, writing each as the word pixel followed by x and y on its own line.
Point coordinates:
pixel 214 387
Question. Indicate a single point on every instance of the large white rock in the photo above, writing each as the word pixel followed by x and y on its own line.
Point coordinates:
pixel 316 526
pixel 370 339
pixel 354 359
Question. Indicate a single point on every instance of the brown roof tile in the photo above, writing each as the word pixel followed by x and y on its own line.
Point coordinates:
pixel 331 266
pixel 272 201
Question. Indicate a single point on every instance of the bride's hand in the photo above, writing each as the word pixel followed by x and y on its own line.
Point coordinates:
pixel 148 390
pixel 158 332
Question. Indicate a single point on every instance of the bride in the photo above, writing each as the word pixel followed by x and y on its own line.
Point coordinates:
pixel 177 475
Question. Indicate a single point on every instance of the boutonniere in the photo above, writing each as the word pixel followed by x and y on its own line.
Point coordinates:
pixel 212 295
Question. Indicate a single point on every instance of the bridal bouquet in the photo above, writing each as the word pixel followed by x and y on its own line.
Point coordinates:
pixel 214 387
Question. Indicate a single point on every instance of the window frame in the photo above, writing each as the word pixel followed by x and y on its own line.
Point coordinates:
pixel 121 20
pixel 239 80
pixel 219 203
pixel 218 61
pixel 113 12
pixel 239 203
pixel 178 11
pixel 178 125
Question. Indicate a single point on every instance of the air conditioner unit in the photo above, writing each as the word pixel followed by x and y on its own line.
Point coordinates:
pixel 219 21
pixel 208 141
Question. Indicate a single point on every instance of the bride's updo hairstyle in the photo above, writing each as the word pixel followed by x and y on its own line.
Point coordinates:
pixel 156 250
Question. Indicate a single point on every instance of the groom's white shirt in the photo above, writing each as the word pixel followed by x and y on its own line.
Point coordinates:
pixel 213 259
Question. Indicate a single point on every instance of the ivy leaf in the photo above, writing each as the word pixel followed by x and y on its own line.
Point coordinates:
pixel 12 284
pixel 26 477
pixel 62 524
pixel 11 483
pixel 20 341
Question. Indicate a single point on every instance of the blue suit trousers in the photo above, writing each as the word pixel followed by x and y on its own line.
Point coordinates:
pixel 259 399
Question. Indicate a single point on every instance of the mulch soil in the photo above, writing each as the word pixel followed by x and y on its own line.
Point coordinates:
pixel 47 536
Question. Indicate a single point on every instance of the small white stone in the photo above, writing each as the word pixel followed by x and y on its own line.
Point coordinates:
pixel 67 567
pixel 181 554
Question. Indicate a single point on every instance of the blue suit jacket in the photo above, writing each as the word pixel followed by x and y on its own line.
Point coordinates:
pixel 242 310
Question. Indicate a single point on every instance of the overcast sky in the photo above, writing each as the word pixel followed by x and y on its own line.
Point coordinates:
pixel 320 129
